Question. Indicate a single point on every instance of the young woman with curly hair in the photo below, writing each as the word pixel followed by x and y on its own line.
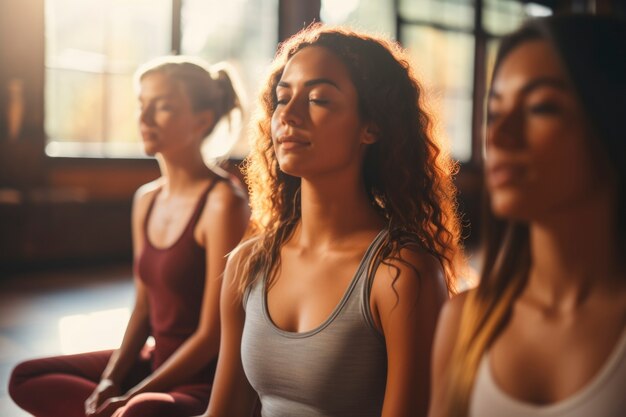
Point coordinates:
pixel 330 309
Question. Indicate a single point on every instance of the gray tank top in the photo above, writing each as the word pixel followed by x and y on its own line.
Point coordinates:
pixel 336 369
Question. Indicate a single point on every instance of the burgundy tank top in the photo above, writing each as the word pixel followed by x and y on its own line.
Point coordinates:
pixel 174 278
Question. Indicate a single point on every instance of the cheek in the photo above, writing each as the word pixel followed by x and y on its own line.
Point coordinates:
pixel 560 176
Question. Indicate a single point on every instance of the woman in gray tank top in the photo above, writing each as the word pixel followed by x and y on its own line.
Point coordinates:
pixel 330 309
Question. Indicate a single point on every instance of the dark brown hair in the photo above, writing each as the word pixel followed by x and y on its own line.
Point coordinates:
pixel 407 176
pixel 588 47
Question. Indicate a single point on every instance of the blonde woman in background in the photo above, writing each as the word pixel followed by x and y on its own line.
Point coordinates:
pixel 184 224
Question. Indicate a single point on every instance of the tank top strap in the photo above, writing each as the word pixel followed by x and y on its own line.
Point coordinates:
pixel 149 211
pixel 196 213
pixel 366 280
pixel 202 201
pixel 370 262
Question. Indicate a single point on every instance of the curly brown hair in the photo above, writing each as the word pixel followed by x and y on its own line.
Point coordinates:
pixel 407 177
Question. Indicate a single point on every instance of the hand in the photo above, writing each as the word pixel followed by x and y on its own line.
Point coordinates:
pixel 106 389
pixel 110 406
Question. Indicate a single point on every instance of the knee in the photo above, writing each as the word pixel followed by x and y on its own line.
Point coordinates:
pixel 19 375
pixel 150 404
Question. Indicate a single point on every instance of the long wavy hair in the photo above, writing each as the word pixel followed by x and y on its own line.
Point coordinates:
pixel 588 48
pixel 407 176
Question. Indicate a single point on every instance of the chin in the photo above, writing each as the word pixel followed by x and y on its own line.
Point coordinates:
pixel 149 149
pixel 291 169
pixel 507 208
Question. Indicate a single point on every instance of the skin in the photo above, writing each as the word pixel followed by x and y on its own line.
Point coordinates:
pixel 541 169
pixel 174 132
pixel 319 136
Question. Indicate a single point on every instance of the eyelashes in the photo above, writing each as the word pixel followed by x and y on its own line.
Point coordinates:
pixel 541 109
pixel 544 108
pixel 317 101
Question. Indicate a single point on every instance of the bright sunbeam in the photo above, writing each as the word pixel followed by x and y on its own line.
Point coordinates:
pixel 93 331
pixel 337 11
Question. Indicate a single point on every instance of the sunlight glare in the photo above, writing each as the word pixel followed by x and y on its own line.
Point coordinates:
pixel 93 331
pixel 337 11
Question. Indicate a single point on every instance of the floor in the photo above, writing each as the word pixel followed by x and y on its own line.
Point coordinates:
pixel 59 312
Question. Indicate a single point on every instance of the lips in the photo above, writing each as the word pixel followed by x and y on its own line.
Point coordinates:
pixel 148 135
pixel 504 173
pixel 288 142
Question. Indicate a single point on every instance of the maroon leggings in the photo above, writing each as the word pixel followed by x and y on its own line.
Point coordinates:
pixel 58 387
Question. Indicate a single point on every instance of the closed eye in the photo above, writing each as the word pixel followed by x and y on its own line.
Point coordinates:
pixel 545 108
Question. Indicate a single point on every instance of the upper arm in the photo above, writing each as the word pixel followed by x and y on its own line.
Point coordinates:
pixel 445 340
pixel 223 223
pixel 141 201
pixel 407 311
pixel 232 394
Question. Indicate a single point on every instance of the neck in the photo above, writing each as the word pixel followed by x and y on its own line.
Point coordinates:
pixel 574 253
pixel 334 208
pixel 182 171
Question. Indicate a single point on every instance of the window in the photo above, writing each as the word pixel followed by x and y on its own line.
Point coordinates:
pixel 93 48
pixel 442 39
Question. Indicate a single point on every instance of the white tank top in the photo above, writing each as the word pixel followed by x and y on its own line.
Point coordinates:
pixel 603 396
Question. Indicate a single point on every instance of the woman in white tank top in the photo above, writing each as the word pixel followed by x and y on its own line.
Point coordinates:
pixel 544 332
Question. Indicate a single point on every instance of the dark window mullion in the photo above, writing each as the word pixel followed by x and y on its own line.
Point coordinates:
pixel 177 6
pixel 479 84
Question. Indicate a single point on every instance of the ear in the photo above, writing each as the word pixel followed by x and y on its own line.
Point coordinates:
pixel 370 134
pixel 204 121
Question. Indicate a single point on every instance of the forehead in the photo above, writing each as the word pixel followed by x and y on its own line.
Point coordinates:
pixel 528 61
pixel 315 62
pixel 159 83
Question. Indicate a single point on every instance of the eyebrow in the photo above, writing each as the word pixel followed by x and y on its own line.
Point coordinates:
pixel 311 83
pixel 169 96
pixel 535 84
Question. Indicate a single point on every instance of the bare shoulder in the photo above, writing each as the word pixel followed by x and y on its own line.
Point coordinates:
pixel 413 270
pixel 452 312
pixel 240 254
pixel 234 264
pixel 144 195
pixel 226 195
pixel 447 331
pixel 446 336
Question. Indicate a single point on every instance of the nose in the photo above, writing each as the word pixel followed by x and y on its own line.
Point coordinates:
pixel 291 113
pixel 145 115
pixel 506 130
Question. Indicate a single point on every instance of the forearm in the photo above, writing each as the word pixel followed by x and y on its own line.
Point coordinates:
pixel 196 353
pixel 124 358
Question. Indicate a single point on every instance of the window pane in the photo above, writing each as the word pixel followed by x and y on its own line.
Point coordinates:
pixel 242 32
pixel 443 63
pixel 92 49
pixel 75 28
pixel 138 30
pixel 452 13
pixel 122 122
pixel 74 105
pixel 502 16
pixel 369 15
